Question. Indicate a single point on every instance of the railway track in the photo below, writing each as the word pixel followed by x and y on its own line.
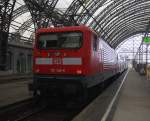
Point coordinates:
pixel 13 111
pixel 50 115
pixel 42 110
pixel 31 110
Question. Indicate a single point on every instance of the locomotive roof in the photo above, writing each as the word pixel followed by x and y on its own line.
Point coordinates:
pixel 69 28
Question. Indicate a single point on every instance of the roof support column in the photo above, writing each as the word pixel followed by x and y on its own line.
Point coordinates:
pixel 6 10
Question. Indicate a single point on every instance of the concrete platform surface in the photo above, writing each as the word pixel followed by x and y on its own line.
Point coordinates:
pixel 134 100
pixel 97 108
pixel 13 92
pixel 6 77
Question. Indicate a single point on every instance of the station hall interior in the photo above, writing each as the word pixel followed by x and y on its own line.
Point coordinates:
pixel 74 60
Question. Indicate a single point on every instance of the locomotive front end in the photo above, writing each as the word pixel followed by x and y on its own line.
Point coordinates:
pixel 59 61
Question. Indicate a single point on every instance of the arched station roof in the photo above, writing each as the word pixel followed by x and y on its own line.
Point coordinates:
pixel 113 20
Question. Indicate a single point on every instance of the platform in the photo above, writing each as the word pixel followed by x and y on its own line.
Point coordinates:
pixel 131 103
pixel 8 77
pixel 13 92
pixel 134 101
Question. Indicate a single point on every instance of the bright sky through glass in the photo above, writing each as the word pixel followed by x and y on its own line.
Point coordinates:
pixel 62 5
pixel 129 47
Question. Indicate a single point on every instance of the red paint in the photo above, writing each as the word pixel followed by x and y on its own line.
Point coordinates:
pixel 92 61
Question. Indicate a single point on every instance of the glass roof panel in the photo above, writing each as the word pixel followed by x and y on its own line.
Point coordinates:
pixel 19 21
pixel 18 4
pixel 134 11
pixel 28 33
pixel 103 7
pixel 63 4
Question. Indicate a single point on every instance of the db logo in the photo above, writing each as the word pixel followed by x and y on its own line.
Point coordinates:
pixel 57 61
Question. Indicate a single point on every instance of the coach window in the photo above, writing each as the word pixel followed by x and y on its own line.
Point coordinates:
pixel 95 43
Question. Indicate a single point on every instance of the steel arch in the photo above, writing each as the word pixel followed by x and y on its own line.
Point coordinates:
pixel 120 19
pixel 41 11
pixel 115 15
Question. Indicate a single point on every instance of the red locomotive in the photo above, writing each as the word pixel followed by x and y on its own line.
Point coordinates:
pixel 71 59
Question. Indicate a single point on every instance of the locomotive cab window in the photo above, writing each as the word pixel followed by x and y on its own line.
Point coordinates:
pixel 60 40
pixel 47 41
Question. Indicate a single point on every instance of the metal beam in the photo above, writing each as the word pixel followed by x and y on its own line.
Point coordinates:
pixel 41 11
pixel 6 10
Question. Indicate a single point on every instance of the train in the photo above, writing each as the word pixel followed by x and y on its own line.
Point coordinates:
pixel 71 59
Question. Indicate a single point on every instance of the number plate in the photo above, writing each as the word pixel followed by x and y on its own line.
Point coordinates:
pixel 57 61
